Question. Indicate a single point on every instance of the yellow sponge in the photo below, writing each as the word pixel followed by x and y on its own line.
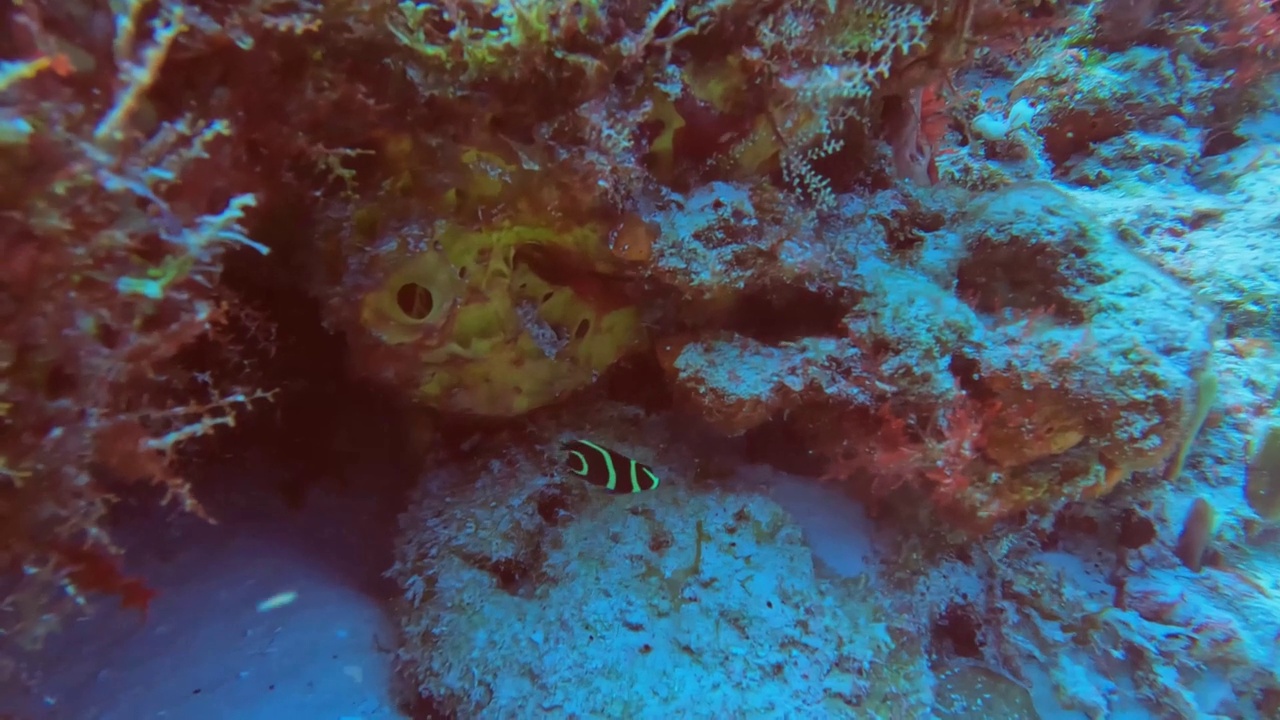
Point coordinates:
pixel 494 334
pixel 420 297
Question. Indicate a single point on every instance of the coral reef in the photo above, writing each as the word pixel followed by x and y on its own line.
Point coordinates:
pixel 555 198
pixel 996 325
pixel 1001 271
pixel 1022 355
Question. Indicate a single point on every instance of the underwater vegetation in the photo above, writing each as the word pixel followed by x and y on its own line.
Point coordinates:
pixel 1002 274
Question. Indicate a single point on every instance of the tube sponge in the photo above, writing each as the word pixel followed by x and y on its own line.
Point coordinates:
pixel 1197 532
pixel 1206 394
pixel 1262 477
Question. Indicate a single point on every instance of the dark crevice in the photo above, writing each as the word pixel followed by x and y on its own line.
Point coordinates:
pixel 788 313
pixel 907 229
pixel 59 383
pixel 1134 530
pixel 784 445
pixel 1019 277
pixel 1074 132
pixel 957 632
pixel 968 374
pixel 512 575
pixel 637 380
pixel 554 504
pixel 321 421
pixel 1219 142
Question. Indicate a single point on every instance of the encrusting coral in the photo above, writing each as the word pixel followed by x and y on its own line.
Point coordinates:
pixel 1014 375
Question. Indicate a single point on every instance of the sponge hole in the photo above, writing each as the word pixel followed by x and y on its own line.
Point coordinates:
pixel 584 327
pixel 415 301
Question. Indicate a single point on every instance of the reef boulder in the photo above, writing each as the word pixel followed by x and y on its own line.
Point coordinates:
pixel 527 591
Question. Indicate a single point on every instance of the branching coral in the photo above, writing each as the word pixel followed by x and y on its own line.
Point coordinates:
pixel 113 244
pixel 828 60
pixel 834 57
pixel 478 41
pixel 690 71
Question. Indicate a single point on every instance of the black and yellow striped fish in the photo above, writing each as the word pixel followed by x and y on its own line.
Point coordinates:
pixel 609 469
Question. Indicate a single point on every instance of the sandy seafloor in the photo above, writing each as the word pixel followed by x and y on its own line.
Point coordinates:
pixel 205 651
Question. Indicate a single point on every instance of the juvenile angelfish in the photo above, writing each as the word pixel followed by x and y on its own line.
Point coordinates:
pixel 609 469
